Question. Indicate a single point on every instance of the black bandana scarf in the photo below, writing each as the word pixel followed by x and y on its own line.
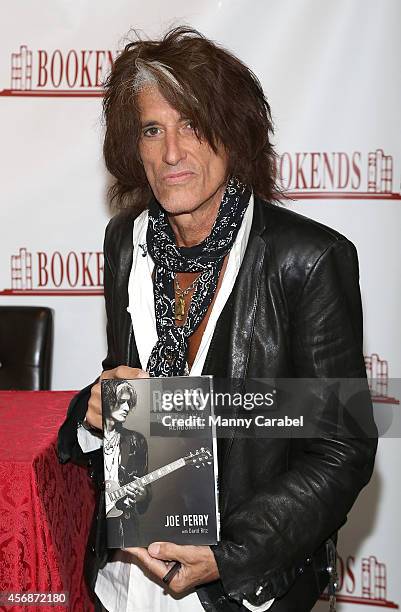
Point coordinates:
pixel 169 355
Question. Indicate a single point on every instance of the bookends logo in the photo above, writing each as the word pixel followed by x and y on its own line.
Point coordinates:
pixel 339 175
pixel 74 273
pixel 77 73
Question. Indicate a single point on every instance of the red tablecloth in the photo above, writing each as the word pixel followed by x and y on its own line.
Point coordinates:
pixel 45 507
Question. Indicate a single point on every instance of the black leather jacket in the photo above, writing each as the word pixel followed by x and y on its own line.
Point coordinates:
pixel 295 311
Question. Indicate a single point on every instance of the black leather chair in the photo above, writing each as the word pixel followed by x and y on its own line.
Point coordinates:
pixel 26 347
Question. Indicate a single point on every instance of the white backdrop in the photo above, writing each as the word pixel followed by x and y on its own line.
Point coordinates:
pixel 331 74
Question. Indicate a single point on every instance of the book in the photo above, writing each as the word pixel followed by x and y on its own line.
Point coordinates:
pixel 160 461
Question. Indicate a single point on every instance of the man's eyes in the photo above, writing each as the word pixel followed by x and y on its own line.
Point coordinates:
pixel 153 130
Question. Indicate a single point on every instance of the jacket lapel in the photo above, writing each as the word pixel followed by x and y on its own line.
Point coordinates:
pixel 229 349
pixel 234 327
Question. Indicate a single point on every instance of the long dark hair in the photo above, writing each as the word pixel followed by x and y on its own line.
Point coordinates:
pixel 209 86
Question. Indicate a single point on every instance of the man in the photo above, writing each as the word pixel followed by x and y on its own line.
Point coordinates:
pixel 218 279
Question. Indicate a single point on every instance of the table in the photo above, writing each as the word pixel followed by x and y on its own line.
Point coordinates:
pixel 45 507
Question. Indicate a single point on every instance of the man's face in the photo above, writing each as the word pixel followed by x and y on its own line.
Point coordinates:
pixel 120 412
pixel 183 172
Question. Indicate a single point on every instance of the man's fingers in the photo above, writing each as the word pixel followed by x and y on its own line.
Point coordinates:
pixel 106 375
pixel 133 488
pixel 95 397
pixel 197 564
pixel 169 551
pixel 123 371
pixel 156 567
pixel 94 412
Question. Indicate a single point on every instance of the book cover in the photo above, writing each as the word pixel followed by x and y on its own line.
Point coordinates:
pixel 160 461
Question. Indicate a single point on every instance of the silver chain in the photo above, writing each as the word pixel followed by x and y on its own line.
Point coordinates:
pixel 184 292
pixel 332 571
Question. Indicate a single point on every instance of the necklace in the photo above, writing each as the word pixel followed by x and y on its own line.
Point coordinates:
pixel 111 443
pixel 179 310
pixel 112 455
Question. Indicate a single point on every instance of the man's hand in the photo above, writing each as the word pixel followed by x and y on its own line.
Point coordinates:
pixel 94 412
pixel 135 493
pixel 198 564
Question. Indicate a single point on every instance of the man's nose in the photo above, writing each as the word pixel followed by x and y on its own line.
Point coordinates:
pixel 173 150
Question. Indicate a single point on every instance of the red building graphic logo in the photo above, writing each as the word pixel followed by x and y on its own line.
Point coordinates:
pixel 21 271
pixel 21 69
pixel 77 73
pixel 370 590
pixel 380 172
pixel 73 274
pixel 338 175
pixel 377 374
pixel 374 579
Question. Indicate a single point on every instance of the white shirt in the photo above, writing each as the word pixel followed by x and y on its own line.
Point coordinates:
pixel 121 585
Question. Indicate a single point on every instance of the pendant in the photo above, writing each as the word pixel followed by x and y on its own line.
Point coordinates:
pixel 179 308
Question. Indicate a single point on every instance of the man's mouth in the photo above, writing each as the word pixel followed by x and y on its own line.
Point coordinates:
pixel 178 177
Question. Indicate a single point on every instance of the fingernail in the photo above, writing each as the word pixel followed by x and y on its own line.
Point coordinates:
pixel 154 549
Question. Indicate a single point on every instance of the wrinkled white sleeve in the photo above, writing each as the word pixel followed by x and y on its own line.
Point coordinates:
pixel 88 441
